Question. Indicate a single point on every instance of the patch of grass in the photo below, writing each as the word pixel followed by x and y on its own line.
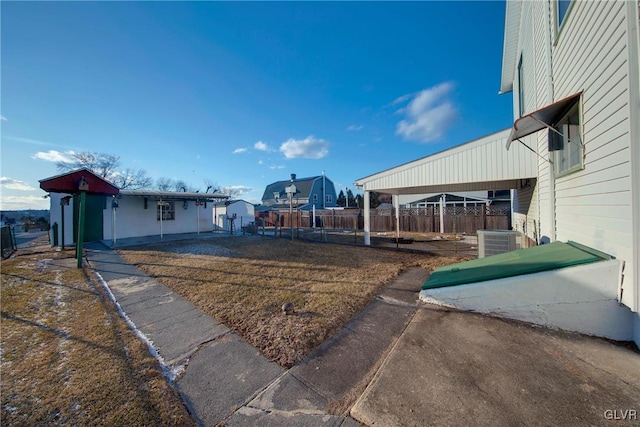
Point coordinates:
pixel 67 357
pixel 243 282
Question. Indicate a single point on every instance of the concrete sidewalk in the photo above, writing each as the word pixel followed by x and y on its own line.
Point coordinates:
pixel 227 381
pixel 396 363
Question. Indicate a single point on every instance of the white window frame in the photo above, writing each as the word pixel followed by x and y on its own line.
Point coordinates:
pixel 168 211
pixel 570 158
pixel 558 18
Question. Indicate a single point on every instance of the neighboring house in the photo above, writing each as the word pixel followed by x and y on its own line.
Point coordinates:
pixel 475 198
pixel 238 212
pixel 383 206
pixel 111 213
pixel 317 191
pixel 573 69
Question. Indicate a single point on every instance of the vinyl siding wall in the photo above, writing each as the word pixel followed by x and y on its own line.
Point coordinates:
pixel 593 206
pixel 534 205
pixel 525 211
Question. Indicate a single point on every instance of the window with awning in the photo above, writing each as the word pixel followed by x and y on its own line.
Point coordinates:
pixel 562 120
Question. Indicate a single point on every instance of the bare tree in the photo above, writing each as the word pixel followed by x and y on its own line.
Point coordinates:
pixel 231 192
pixel 170 184
pixel 107 167
pixel 165 184
pixel 133 179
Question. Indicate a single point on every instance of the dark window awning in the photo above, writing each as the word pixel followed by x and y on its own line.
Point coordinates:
pixel 542 118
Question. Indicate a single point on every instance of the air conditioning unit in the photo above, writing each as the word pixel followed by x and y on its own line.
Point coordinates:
pixel 493 242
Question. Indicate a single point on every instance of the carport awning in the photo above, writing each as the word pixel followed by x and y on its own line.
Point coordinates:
pixel 542 118
pixel 515 263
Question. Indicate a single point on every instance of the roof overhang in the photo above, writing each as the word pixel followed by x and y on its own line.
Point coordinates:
pixel 542 118
pixel 174 195
pixel 510 46
pixel 70 183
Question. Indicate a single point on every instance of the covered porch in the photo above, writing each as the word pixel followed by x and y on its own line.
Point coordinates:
pixel 481 164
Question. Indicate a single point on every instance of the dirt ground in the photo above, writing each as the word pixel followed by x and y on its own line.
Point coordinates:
pixel 245 281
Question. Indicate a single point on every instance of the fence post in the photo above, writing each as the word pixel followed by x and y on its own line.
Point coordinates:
pixel 484 217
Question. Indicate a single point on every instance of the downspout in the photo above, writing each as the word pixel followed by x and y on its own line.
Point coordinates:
pixel 551 97
pixel 633 281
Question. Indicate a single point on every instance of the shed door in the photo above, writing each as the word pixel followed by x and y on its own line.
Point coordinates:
pixel 95 204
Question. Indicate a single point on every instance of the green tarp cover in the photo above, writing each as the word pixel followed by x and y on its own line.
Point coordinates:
pixel 515 263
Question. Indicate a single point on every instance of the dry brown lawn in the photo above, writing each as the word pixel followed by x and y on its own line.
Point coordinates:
pixel 67 357
pixel 243 282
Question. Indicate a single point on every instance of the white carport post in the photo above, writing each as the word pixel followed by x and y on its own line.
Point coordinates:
pixel 443 199
pixel 367 219
pixel 113 222
pixel 396 209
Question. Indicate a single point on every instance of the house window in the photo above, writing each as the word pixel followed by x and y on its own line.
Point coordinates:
pixel 521 87
pixel 329 198
pixel 566 143
pixel 562 7
pixel 315 198
pixel 168 210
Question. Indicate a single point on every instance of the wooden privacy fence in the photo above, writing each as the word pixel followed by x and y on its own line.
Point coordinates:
pixel 421 220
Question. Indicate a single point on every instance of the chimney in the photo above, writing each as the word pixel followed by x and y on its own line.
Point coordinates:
pixel 293 177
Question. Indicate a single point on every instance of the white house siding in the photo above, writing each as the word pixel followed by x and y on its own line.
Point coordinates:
pixel 55 216
pixel 132 220
pixel 593 206
pixel 525 211
pixel 244 211
pixel 533 45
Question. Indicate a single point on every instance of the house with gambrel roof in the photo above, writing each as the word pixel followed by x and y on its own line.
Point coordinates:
pixel 316 191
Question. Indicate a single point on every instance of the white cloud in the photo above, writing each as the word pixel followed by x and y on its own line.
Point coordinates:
pixel 14 184
pixel 355 128
pixel 261 146
pixel 239 150
pixel 277 167
pixel 428 115
pixel 308 148
pixel 261 162
pixel 54 156
pixel 3 118
pixel 23 202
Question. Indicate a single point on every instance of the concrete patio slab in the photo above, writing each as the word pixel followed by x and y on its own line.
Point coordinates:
pixel 460 368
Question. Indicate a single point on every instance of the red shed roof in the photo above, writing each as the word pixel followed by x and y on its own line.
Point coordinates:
pixel 68 183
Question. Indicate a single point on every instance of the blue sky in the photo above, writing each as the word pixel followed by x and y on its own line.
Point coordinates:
pixel 244 94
